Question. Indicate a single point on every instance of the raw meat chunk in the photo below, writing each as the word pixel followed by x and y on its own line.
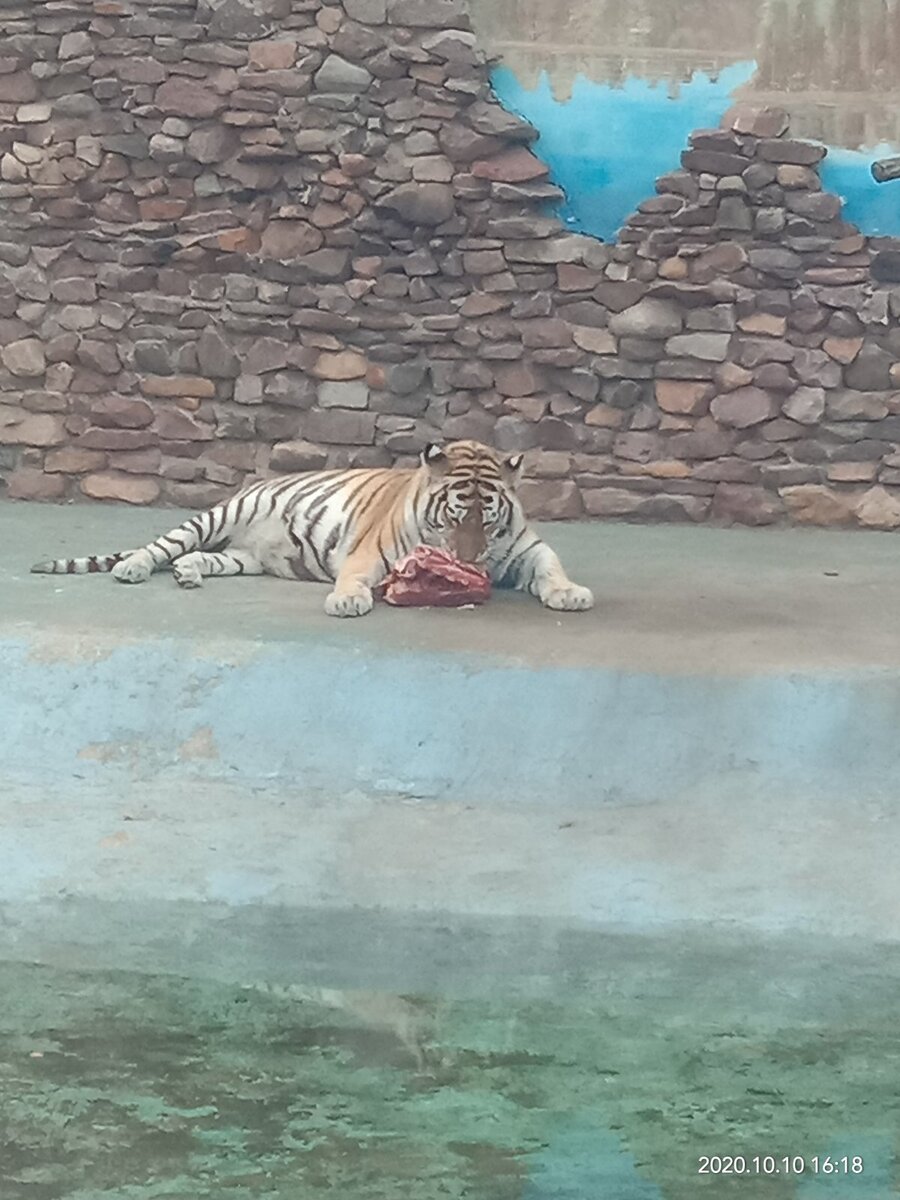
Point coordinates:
pixel 430 577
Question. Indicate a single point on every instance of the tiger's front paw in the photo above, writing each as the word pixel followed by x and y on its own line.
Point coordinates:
pixel 136 568
pixel 571 598
pixel 355 603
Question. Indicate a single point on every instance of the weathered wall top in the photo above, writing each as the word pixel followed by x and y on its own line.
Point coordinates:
pixel 253 235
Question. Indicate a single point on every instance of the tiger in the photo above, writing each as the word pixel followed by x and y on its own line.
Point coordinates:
pixel 349 526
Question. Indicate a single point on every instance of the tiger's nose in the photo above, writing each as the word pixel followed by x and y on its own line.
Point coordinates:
pixel 468 540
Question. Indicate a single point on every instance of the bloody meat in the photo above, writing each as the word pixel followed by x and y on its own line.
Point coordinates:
pixel 430 577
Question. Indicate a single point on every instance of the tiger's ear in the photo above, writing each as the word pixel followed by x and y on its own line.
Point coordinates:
pixel 434 458
pixel 512 469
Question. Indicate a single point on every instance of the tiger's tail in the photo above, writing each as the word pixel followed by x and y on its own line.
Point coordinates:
pixel 202 532
pixel 96 563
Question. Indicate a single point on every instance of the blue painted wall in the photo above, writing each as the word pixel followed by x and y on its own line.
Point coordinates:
pixel 874 207
pixel 606 145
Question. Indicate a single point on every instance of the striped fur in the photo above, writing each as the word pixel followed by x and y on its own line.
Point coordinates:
pixel 350 526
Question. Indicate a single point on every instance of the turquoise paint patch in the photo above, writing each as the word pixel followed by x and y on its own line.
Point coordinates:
pixel 584 1160
pixel 873 207
pixel 606 146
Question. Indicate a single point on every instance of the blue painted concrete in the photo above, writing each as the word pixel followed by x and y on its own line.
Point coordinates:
pixel 444 725
pixel 606 146
pixel 873 207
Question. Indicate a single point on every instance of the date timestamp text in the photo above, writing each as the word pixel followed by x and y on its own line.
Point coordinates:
pixel 786 1164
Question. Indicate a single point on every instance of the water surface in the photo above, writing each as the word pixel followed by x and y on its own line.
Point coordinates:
pixel 609 1085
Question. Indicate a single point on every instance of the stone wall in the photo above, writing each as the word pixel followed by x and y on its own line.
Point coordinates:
pixel 245 236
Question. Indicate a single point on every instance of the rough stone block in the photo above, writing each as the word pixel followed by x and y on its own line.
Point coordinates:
pixel 594 341
pixel 426 204
pixel 879 508
pixel 298 456
pixel 341 428
pixel 338 75
pixel 744 407
pixel 24 357
pixel 340 365
pixel 683 397
pixel 713 162
pixel 273 55
pixel 117 485
pixel 648 319
pixel 512 166
pixel 551 499
pixel 175 386
pixel 18 427
pixel 816 504
pixel 709 347
pixel 806 405
pixel 743 504
pixel 30 483
pixel 351 393
pixel 174 424
pixel 121 412
pixel 785 150
pixel 870 369
pixel 854 405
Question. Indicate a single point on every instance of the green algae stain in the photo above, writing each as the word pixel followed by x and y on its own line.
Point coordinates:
pixel 128 1087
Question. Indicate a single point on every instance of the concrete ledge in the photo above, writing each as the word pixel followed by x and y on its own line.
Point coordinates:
pixel 755 664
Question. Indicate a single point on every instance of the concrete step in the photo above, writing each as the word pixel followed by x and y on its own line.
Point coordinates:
pixel 160 868
pixel 377 899
pixel 760 664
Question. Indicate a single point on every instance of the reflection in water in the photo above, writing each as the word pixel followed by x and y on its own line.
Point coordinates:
pixel 644 1056
pixel 833 64
pixel 606 145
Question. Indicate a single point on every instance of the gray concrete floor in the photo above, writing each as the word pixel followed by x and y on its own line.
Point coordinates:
pixel 669 598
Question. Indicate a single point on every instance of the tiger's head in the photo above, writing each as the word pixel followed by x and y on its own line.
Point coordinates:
pixel 470 502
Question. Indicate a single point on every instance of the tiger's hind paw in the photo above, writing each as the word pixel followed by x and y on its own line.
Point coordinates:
pixel 137 568
pixel 187 575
